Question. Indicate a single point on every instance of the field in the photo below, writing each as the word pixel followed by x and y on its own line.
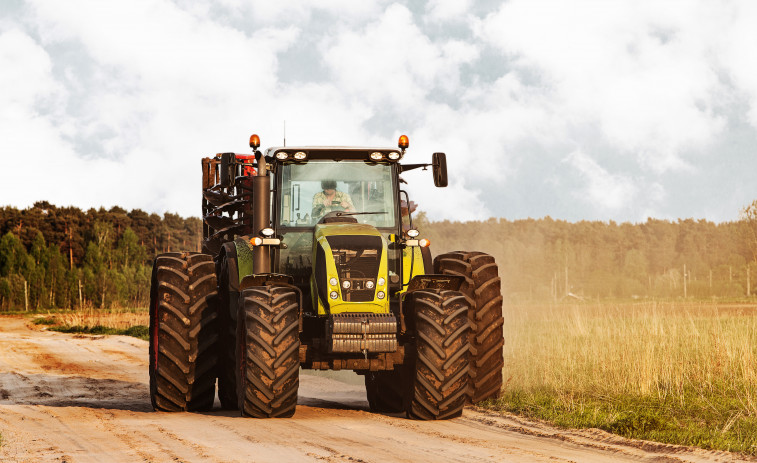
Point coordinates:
pixel 675 372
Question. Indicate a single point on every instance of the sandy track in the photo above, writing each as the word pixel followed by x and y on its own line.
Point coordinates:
pixel 68 398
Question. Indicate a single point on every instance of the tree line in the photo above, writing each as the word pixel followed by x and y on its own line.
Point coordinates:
pixel 549 259
pixel 63 257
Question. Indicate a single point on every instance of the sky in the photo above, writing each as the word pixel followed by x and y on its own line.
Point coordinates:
pixel 578 110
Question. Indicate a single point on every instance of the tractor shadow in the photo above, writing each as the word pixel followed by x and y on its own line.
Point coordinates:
pixel 315 392
pixel 73 391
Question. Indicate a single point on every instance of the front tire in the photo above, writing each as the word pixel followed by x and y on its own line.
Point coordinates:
pixel 268 363
pixel 441 357
pixel 183 332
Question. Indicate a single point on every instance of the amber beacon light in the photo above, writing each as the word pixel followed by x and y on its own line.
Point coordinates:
pixel 404 142
pixel 254 141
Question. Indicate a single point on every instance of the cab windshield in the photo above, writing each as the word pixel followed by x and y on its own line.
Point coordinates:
pixel 310 191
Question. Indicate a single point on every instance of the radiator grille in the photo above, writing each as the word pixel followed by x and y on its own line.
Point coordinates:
pixel 357 259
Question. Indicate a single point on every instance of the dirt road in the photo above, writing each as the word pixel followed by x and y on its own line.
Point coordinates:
pixel 68 398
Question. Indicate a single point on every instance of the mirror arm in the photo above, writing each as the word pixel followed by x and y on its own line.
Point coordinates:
pixel 406 167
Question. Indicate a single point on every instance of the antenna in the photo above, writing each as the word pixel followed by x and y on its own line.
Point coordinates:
pixel 285 132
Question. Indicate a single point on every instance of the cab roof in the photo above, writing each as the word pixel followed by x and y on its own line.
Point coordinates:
pixel 332 152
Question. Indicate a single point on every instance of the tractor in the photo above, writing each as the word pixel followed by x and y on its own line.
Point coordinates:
pixel 310 260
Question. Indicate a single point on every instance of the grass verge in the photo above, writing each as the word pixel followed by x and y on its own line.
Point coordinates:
pixel 138 331
pixel 673 372
pixel 128 322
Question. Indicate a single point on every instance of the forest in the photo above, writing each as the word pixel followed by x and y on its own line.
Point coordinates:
pixel 63 257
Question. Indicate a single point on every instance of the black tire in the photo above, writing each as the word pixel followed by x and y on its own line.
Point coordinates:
pixel 228 302
pixel 182 332
pixel 441 354
pixel 268 371
pixel 482 285
pixel 386 390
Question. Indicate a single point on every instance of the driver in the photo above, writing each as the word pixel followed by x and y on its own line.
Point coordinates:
pixel 330 200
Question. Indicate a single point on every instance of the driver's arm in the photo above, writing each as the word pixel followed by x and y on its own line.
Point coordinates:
pixel 319 207
pixel 346 202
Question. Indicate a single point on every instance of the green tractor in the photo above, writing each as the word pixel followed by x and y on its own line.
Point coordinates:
pixel 310 260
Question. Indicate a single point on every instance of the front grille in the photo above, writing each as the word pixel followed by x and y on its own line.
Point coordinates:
pixel 357 259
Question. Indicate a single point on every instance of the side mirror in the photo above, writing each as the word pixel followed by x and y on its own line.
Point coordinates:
pixel 227 170
pixel 439 163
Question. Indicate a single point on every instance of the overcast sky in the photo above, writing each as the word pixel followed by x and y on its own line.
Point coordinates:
pixel 580 110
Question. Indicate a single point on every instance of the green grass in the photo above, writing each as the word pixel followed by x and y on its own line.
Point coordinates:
pixel 45 321
pixel 138 331
pixel 711 422
pixel 672 372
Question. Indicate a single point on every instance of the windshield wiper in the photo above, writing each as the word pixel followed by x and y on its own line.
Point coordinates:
pixel 339 214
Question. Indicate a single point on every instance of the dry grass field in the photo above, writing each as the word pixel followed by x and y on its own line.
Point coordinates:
pixel 118 319
pixel 678 372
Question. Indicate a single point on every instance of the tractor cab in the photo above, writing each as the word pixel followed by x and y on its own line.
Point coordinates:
pixel 340 203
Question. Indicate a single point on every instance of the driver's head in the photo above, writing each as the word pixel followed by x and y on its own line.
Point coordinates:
pixel 328 185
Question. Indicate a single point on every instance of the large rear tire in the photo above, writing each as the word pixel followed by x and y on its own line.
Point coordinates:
pixel 228 297
pixel 268 371
pixel 441 354
pixel 386 390
pixel 482 285
pixel 183 332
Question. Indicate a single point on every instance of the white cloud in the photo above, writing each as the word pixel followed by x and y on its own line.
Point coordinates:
pixel 448 10
pixel 26 78
pixel 640 71
pixel 602 189
pixel 392 64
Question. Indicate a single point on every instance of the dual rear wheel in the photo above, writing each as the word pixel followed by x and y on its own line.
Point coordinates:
pixel 183 332
pixel 185 348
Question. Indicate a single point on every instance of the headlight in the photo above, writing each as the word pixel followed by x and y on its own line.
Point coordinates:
pixel 256 241
pixel 412 233
pixel 381 281
pixel 369 284
pixel 282 155
pixel 333 281
pixel 267 232
pixel 380 294
pixel 346 284
pixel 376 156
pixel 393 155
pixel 300 155
pixel 333 295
